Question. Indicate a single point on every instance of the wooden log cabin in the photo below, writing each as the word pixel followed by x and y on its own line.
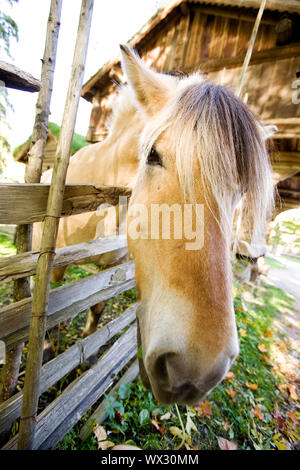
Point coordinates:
pixel 213 36
pixel 20 153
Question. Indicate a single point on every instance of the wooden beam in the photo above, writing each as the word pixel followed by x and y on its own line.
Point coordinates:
pixel 283 121
pixel 266 55
pixel 27 203
pixel 285 158
pixel 61 365
pixel 13 77
pixel 285 135
pixel 15 267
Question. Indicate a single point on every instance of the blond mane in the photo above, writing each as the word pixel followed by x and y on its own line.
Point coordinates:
pixel 214 126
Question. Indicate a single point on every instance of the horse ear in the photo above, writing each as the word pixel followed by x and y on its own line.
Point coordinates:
pixel 268 131
pixel 150 88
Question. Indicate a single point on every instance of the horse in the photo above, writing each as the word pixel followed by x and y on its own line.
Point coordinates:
pixel 184 143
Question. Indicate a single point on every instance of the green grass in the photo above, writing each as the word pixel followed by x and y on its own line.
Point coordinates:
pixel 7 247
pixel 290 258
pixel 274 263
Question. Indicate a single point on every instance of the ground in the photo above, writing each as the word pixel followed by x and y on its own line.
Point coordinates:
pixel 286 275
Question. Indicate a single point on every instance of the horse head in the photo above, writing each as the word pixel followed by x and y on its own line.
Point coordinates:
pixel 201 154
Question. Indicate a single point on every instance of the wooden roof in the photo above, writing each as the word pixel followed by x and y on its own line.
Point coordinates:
pixel 292 6
pixel 13 77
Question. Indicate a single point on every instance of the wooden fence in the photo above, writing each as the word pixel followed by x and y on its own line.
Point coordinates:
pixel 29 317
pixel 65 303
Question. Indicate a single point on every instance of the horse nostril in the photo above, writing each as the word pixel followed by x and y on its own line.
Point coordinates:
pixel 160 368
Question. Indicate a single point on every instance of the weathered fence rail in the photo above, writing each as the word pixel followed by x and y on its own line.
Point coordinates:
pixel 61 415
pixel 61 365
pixel 66 301
pixel 15 267
pixel 27 203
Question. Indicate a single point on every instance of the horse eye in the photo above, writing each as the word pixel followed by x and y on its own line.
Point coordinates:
pixel 153 158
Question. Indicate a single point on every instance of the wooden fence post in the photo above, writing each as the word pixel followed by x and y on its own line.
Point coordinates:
pixel 47 251
pixel 33 174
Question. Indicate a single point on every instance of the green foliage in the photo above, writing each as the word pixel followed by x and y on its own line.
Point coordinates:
pixel 8 29
pixel 286 231
pixel 274 263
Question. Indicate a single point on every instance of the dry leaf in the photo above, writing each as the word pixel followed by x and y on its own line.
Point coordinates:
pixel 262 348
pixel 225 425
pixel 231 393
pixel 203 409
pixel 293 393
pixel 252 386
pixel 224 444
pixel 229 375
pixel 104 445
pixel 293 417
pixel 165 417
pixel 159 428
pixel 99 432
pixel 125 447
pixel 268 333
pixel 257 412
pixel 265 359
pixel 279 420
pixel 242 332
pixel 190 448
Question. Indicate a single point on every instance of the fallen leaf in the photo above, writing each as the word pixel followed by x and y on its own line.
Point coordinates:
pixel 231 393
pixel 99 432
pixel 268 333
pixel 203 409
pixel 224 444
pixel 118 417
pixel 104 445
pixel 165 417
pixel 225 425
pixel 190 425
pixel 190 448
pixel 252 386
pixel 257 412
pixel 262 348
pixel 265 359
pixel 229 375
pixel 293 417
pixel 293 393
pixel 242 332
pixel 159 428
pixel 279 420
pixel 125 447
